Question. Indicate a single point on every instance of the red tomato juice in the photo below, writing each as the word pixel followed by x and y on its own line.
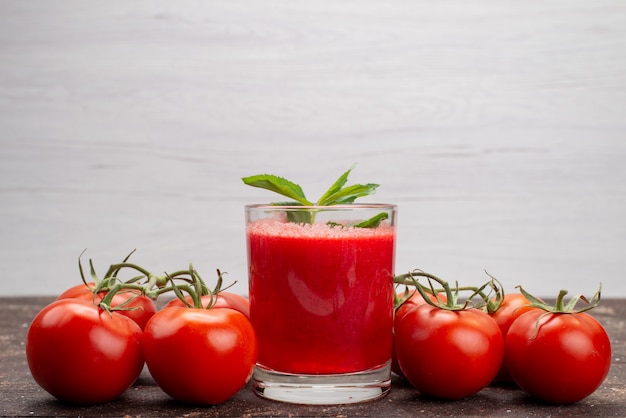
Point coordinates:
pixel 321 298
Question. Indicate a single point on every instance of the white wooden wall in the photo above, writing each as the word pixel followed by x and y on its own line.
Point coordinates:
pixel 498 127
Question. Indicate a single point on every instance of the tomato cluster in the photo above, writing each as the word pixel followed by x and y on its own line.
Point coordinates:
pixel 451 350
pixel 90 345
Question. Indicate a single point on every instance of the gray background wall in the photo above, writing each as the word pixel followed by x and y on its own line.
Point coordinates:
pixel 498 127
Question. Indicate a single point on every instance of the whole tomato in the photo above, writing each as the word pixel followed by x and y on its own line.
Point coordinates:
pixel 200 356
pixel 557 357
pixel 224 300
pixel 140 309
pixel 83 354
pixel 448 354
pixel 512 307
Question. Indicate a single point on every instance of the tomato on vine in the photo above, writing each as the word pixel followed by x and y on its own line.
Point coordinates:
pixel 81 353
pixel 200 354
pixel 557 353
pixel 446 349
pixel 85 348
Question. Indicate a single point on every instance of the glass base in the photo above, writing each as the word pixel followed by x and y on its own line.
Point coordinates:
pixel 327 389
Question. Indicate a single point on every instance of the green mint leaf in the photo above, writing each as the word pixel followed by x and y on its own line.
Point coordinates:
pixel 349 194
pixel 374 221
pixel 336 187
pixel 278 185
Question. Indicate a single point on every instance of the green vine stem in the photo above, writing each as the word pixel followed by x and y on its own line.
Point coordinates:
pixel 180 282
pixel 560 306
pixel 196 288
pixel 484 293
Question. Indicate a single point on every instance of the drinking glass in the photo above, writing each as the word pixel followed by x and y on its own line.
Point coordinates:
pixel 321 301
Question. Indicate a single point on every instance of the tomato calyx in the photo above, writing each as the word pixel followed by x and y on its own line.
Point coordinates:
pixel 196 288
pixel 481 297
pixel 560 307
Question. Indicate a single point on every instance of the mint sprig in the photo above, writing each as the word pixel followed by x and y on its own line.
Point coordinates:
pixel 337 194
pixel 279 185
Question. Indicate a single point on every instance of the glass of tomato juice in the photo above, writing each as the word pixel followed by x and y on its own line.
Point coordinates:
pixel 321 301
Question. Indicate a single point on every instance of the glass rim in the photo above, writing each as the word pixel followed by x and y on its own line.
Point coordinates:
pixel 364 206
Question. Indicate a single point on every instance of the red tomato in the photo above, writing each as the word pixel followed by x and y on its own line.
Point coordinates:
pixel 224 300
pixel 448 354
pixel 143 306
pixel 512 307
pixel 558 357
pixel 415 300
pixel 80 353
pixel 200 356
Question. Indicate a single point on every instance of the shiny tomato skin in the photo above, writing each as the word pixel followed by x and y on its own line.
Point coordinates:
pixel 415 300
pixel 200 356
pixel 512 307
pixel 448 354
pixel 567 359
pixel 82 354
pixel 224 300
pixel 143 306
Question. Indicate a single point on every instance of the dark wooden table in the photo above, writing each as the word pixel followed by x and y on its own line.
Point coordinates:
pixel 21 396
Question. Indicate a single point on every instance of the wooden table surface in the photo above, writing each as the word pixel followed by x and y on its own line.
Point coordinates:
pixel 21 396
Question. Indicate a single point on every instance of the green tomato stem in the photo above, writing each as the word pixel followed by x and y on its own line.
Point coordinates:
pixel 485 301
pixel 186 281
pixel 560 306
